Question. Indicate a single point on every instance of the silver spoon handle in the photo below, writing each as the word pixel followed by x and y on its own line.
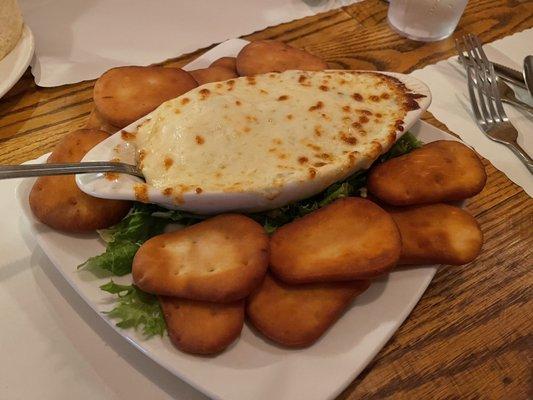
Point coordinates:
pixel 25 171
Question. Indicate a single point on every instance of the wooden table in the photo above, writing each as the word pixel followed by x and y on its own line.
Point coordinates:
pixel 470 336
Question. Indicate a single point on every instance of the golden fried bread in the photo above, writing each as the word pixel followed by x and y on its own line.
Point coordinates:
pixel 437 234
pixel 124 94
pixel 221 259
pixel 352 238
pixel 200 327
pixel 297 315
pixel 271 56
pixel 226 62
pixel 439 171
pixel 58 202
pixel 96 121
pixel 212 74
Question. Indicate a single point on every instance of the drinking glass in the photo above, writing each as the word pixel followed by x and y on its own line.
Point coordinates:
pixel 425 20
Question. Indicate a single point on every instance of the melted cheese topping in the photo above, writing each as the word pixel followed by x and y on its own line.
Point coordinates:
pixel 258 134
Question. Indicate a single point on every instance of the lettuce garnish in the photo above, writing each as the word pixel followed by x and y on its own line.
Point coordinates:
pixel 136 309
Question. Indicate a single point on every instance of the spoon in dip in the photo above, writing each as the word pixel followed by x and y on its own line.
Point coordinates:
pixel 26 171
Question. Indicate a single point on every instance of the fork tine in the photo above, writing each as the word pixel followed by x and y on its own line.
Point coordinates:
pixel 484 72
pixel 495 92
pixel 460 53
pixel 482 122
pixel 481 77
pixel 472 93
pixel 486 115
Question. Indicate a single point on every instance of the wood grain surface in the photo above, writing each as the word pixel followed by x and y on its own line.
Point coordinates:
pixel 470 336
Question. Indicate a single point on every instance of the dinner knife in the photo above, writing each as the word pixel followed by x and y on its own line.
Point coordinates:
pixel 509 74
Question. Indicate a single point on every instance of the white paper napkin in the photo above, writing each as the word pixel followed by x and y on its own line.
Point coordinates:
pixel 451 105
pixel 78 40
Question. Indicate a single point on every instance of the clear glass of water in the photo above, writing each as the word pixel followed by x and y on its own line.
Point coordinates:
pixel 425 20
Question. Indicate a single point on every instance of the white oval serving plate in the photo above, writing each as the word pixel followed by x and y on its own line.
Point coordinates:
pixel 253 367
pixel 124 187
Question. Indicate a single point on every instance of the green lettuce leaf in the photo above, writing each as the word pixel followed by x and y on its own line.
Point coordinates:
pixel 125 238
pixel 116 259
pixel 407 143
pixel 136 309
pixel 138 226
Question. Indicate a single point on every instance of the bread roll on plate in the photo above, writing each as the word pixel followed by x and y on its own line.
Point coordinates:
pixel 352 238
pixel 439 171
pixel 270 56
pixel 221 259
pixel 200 327
pixel 212 74
pixel 437 234
pixel 123 95
pixel 58 202
pixel 226 62
pixel 297 315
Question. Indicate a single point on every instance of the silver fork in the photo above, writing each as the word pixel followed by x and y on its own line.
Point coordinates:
pixel 487 104
pixel 507 94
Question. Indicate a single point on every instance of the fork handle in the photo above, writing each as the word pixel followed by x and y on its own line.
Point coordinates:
pixel 522 155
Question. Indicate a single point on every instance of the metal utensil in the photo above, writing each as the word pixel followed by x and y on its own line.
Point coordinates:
pixel 508 74
pixel 528 73
pixel 486 101
pixel 508 96
pixel 25 171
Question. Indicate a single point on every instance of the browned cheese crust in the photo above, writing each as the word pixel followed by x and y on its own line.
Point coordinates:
pixel 271 56
pixel 352 238
pixel 96 121
pixel 58 202
pixel 200 327
pixel 123 95
pixel 437 234
pixel 297 315
pixel 212 74
pixel 221 259
pixel 439 171
pixel 226 62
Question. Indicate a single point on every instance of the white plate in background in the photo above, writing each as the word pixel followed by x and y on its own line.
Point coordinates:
pixel 254 368
pixel 13 65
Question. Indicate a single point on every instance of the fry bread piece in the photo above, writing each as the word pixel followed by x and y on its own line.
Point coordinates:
pixel 221 259
pixel 437 234
pixel 212 74
pixel 124 94
pixel 439 171
pixel 96 121
pixel 351 238
pixel 271 56
pixel 58 202
pixel 297 315
pixel 226 62
pixel 200 327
